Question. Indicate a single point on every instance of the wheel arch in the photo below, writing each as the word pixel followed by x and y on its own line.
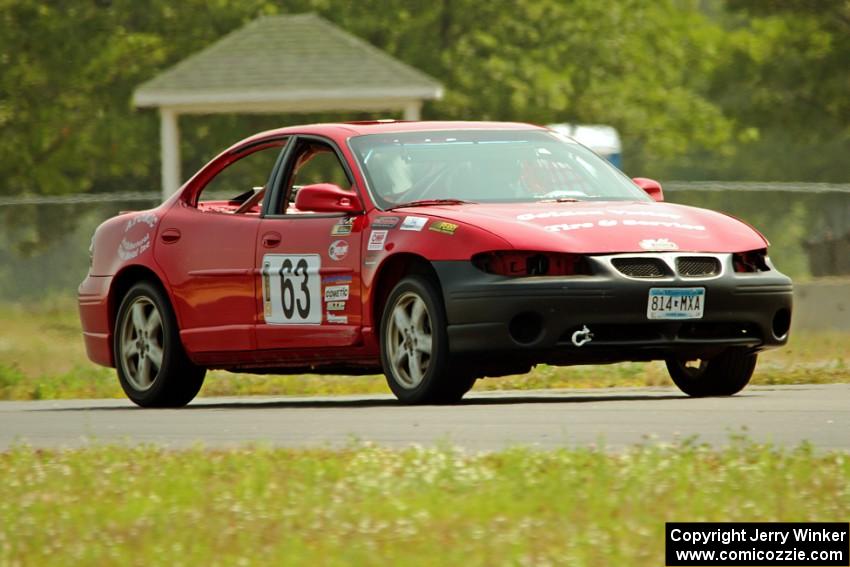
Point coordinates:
pixel 126 278
pixel 393 270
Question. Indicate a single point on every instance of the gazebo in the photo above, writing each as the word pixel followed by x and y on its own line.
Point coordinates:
pixel 277 64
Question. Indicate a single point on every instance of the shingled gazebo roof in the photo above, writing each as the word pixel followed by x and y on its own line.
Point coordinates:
pixel 286 63
pixel 297 64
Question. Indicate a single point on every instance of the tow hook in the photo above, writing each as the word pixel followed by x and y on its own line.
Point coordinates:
pixel 582 337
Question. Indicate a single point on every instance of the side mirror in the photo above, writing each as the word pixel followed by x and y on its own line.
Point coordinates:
pixel 327 198
pixel 651 187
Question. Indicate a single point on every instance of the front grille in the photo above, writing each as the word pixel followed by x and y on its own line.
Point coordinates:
pixel 640 267
pixel 697 266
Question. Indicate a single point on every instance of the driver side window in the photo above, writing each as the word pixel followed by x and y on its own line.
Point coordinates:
pixel 314 162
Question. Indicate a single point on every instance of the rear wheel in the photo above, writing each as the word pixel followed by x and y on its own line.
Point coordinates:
pixel 153 368
pixel 724 375
pixel 414 346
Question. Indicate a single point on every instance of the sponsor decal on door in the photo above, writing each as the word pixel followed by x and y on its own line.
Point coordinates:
pixel 343 227
pixel 338 250
pixel 336 293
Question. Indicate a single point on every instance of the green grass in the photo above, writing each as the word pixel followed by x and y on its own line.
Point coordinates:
pixel 373 506
pixel 42 357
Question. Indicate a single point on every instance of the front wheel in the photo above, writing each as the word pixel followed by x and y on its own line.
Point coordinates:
pixel 724 375
pixel 414 346
pixel 153 368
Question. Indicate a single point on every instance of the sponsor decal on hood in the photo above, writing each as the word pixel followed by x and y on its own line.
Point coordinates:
pixel 660 244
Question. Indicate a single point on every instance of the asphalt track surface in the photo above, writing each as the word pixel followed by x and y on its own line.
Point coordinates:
pixel 613 418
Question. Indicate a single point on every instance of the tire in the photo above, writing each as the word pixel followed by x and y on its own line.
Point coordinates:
pixel 724 375
pixel 153 368
pixel 415 346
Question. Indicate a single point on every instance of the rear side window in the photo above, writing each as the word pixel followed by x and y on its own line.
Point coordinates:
pixel 241 182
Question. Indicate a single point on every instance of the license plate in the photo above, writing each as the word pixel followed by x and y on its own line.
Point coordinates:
pixel 675 303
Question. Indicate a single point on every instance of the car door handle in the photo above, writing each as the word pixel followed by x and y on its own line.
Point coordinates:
pixel 271 239
pixel 170 235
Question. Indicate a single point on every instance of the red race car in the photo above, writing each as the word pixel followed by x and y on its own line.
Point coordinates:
pixel 434 252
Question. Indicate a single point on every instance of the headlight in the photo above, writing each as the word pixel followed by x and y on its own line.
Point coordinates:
pixel 519 263
pixel 752 261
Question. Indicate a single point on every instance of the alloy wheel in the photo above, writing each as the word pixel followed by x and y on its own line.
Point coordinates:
pixel 409 340
pixel 142 343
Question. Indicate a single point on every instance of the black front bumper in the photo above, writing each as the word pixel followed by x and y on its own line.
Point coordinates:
pixel 530 320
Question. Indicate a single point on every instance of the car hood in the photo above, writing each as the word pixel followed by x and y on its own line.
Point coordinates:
pixel 606 227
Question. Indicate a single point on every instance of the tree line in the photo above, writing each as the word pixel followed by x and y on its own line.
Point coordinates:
pixel 699 89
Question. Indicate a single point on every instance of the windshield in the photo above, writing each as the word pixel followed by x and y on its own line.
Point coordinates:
pixel 487 166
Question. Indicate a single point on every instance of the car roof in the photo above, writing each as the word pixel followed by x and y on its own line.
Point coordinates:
pixel 384 126
pixel 358 128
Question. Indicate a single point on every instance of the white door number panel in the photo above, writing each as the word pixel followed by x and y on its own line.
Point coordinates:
pixel 292 289
pixel 675 303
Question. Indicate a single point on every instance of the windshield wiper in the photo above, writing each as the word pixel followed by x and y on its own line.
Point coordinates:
pixel 428 202
pixel 560 200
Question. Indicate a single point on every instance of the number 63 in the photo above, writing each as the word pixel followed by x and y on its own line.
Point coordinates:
pixel 287 289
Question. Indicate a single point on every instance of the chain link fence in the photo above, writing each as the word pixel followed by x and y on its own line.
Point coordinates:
pixel 44 240
pixel 807 224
